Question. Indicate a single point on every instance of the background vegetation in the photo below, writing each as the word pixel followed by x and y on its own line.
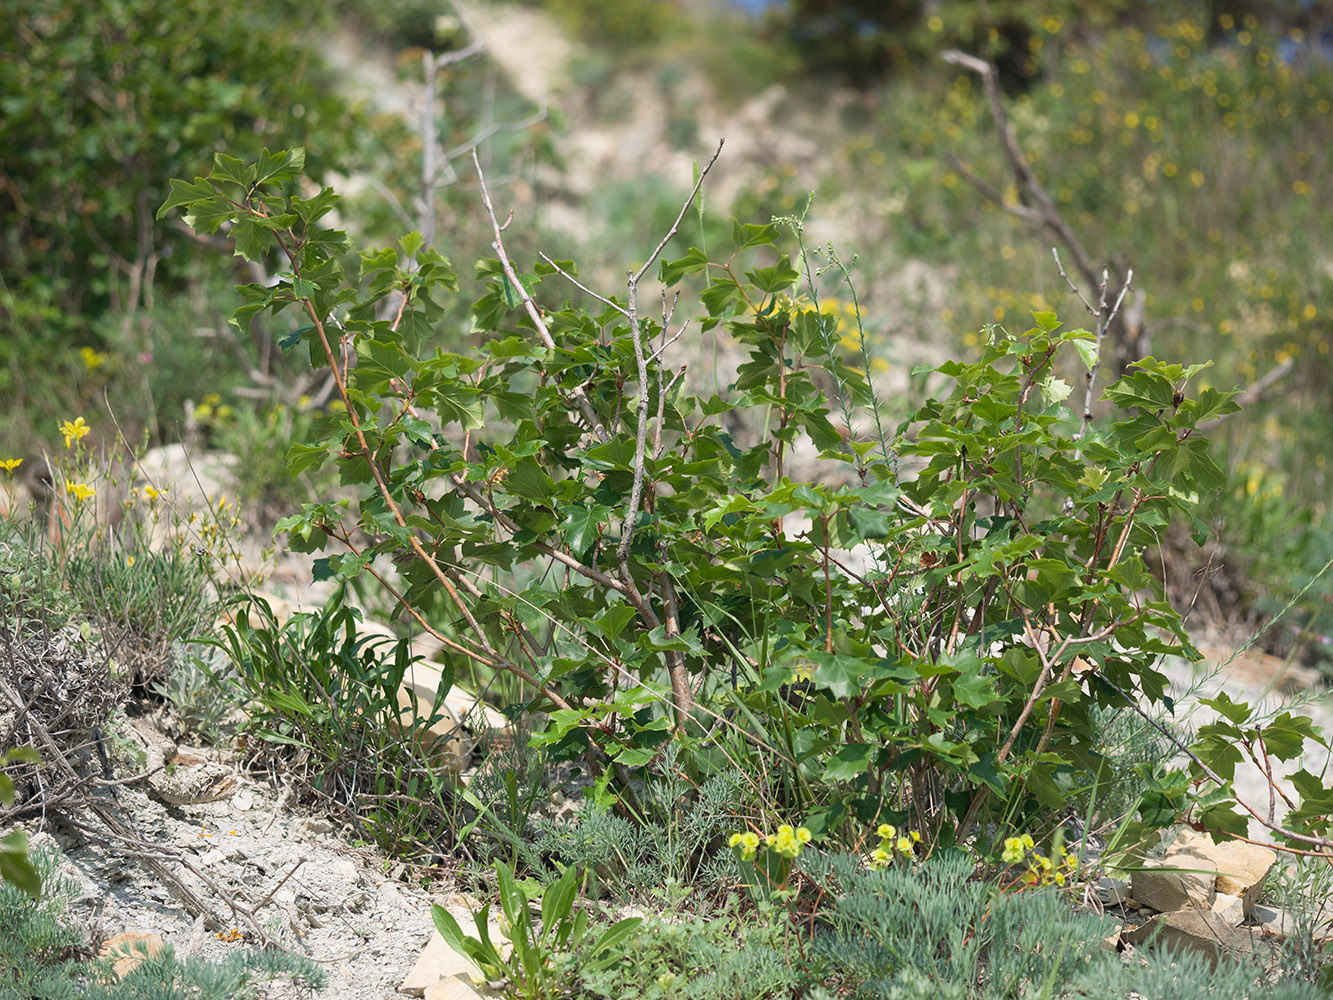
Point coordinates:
pixel 1189 142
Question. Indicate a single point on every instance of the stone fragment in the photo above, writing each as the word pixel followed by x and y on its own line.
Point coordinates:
pixel 316 826
pixel 1230 908
pixel 442 974
pixel 1204 932
pixel 457 988
pixel 437 961
pixel 1163 885
pixel 125 949
pixel 1112 891
pixel 1277 921
pixel 1241 867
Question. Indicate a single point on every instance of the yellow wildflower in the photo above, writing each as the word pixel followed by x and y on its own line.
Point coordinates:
pixel 79 491
pixel 1013 850
pixel 75 431
pixel 10 464
pixel 92 359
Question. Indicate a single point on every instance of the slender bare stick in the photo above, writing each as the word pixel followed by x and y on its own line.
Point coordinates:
pixel 544 334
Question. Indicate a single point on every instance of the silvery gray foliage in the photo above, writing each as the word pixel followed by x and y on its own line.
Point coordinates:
pixel 938 932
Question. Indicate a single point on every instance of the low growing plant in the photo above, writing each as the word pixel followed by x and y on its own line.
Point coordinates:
pixel 541 961
pixel 325 699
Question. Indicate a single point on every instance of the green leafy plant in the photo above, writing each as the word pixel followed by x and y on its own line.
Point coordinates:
pixel 539 962
pixel 16 867
pixel 920 634
pixel 325 698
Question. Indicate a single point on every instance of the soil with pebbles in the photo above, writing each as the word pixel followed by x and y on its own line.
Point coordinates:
pixel 313 892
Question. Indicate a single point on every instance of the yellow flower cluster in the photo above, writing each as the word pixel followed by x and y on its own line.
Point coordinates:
pixel 92 359
pixel 748 842
pixel 787 841
pixel 893 842
pixel 1041 869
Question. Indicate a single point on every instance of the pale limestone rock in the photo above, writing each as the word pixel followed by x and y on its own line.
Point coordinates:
pixel 1229 908
pixel 124 948
pixel 1241 867
pixel 1112 891
pixel 1204 932
pixel 443 974
pixel 1277 921
pixel 1163 885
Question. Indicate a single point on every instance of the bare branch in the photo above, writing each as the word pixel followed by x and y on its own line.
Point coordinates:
pixel 584 288
pixel 580 397
pixel 675 226
pixel 1255 391
pixel 1049 215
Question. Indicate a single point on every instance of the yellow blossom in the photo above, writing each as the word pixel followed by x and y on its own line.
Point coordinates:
pixel 152 492
pixel 10 464
pixel 79 491
pixel 75 431
pixel 92 359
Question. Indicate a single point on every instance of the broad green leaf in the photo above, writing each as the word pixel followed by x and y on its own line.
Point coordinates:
pixel 411 243
pixel 849 761
pixel 746 235
pixel 1238 712
pixel 672 271
pixel 15 868
pixel 228 168
pixel 1046 321
pixel 302 457
pixel 185 193
pixel 613 620
pixel 610 942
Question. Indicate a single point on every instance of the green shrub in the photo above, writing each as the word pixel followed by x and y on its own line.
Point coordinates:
pixel 929 651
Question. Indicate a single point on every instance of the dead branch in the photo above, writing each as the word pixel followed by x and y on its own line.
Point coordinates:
pixel 1047 213
pixel 1255 391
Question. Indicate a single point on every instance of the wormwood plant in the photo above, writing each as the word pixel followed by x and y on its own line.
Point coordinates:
pixel 934 931
pixel 930 651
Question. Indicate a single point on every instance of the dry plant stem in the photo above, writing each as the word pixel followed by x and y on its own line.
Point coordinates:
pixel 280 883
pixel 580 397
pixel 1048 215
pixel 636 332
pixel 675 661
pixel 1104 318
pixel 118 830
